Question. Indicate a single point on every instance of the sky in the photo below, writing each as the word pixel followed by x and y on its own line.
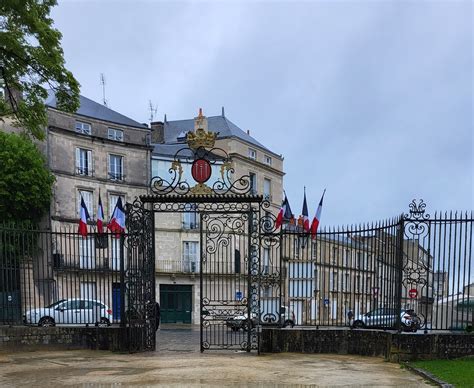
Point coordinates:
pixel 371 100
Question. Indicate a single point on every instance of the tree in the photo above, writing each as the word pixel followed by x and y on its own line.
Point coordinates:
pixel 31 60
pixel 25 182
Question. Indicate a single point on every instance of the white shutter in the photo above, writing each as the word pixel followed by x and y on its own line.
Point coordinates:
pixel 90 163
pixel 78 160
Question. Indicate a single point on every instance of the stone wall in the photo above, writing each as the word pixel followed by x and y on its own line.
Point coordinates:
pixel 391 346
pixel 29 337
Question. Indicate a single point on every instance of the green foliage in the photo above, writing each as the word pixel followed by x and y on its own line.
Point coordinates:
pixel 25 183
pixel 459 372
pixel 31 61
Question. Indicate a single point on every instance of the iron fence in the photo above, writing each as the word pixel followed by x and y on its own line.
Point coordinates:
pixel 408 273
pixel 60 277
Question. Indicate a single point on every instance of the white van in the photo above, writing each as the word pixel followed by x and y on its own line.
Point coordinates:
pixel 454 312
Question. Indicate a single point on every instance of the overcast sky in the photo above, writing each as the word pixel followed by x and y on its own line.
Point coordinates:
pixel 372 100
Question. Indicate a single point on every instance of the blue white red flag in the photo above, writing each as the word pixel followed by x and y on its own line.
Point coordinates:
pixel 305 214
pixel 117 221
pixel 317 217
pixel 281 213
pixel 83 220
pixel 100 216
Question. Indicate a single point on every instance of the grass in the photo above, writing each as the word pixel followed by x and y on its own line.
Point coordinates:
pixel 458 372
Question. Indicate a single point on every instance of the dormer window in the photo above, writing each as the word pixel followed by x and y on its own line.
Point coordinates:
pixel 267 160
pixel 182 136
pixel 115 134
pixel 84 128
pixel 252 154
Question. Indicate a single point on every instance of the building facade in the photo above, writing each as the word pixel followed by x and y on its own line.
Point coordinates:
pixel 177 235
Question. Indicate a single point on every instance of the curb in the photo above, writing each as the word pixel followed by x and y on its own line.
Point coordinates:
pixel 428 376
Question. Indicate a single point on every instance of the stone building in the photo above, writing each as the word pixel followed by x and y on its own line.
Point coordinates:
pixel 177 235
pixel 95 151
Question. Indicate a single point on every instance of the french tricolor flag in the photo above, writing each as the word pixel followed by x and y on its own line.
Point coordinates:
pixel 84 217
pixel 281 213
pixel 100 217
pixel 317 217
pixel 117 221
pixel 305 214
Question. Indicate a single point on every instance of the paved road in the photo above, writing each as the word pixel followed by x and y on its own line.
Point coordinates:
pixel 178 362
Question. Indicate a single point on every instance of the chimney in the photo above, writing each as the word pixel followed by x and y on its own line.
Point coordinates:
pixel 157 132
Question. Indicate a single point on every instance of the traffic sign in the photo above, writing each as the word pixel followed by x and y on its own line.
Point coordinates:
pixel 413 293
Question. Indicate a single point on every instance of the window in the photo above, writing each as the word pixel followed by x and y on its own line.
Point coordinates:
pixel 267 160
pixel 191 218
pixel 253 183
pixel 115 134
pixel 116 167
pixel 346 283
pixel 347 258
pixel 335 255
pixel 333 281
pixel 88 200
pixel 83 161
pixel 190 256
pixel 87 252
pixel 267 189
pixel 84 128
pixel 316 279
pixel 113 199
pixel 360 263
pixel 252 154
pixel 266 261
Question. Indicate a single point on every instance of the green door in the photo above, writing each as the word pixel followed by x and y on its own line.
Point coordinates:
pixel 175 303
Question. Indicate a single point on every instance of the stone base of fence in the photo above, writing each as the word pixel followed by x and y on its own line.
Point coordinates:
pixel 389 345
pixel 31 338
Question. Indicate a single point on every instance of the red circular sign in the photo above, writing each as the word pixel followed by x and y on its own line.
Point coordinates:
pixel 201 170
pixel 413 293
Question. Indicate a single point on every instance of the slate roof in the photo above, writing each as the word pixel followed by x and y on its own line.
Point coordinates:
pixel 221 124
pixel 95 110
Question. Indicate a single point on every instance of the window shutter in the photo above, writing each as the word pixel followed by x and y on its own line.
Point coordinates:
pixel 78 159
pixel 90 163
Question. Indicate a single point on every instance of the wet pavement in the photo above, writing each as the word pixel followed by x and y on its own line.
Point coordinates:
pixel 179 363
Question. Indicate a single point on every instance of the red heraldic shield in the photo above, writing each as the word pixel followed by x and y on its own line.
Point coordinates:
pixel 201 170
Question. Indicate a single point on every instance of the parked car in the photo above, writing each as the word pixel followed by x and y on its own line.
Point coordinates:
pixel 70 311
pixel 387 318
pixel 242 322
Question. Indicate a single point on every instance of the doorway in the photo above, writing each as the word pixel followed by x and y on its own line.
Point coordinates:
pixel 176 303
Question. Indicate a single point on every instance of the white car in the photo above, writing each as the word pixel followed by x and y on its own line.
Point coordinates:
pixel 387 318
pixel 70 311
pixel 242 322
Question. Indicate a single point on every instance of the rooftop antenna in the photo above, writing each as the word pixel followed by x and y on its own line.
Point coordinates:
pixel 153 109
pixel 102 81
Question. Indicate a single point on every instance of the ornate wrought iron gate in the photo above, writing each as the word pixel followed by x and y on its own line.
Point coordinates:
pixel 229 298
pixel 137 268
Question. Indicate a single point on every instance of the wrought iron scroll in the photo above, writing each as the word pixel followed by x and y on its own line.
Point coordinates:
pixel 140 277
pixel 415 258
pixel 270 273
pixel 177 184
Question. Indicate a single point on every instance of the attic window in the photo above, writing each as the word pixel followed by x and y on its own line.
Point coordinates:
pixel 115 134
pixel 268 160
pixel 84 128
pixel 182 136
pixel 252 154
